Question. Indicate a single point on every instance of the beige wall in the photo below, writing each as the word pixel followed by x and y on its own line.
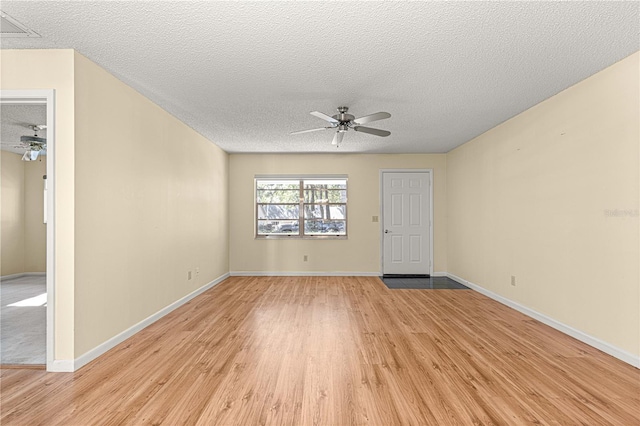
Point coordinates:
pixel 12 214
pixel 361 251
pixel 141 199
pixel 53 69
pixel 35 231
pixel 151 205
pixel 534 197
pixel 24 234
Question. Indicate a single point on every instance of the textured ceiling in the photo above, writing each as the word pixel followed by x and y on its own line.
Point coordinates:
pixel 16 121
pixel 244 74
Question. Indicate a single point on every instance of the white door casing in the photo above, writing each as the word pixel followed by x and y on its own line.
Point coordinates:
pixel 406 222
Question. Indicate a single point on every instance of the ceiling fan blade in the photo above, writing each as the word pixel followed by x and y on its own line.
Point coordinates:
pixel 310 130
pixel 372 117
pixel 337 139
pixel 371 131
pixel 324 117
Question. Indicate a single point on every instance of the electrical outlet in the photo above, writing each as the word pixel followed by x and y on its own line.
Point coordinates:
pixel 305 258
pixel 197 272
pixel 189 275
pixel 513 280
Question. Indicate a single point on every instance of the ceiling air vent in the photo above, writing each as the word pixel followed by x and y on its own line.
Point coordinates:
pixel 9 27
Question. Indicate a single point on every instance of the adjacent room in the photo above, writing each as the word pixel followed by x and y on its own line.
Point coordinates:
pixel 327 213
pixel 23 293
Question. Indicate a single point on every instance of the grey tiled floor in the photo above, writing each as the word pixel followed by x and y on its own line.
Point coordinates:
pixel 432 283
pixel 23 326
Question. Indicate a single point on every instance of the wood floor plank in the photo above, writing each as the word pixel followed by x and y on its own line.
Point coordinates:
pixel 333 351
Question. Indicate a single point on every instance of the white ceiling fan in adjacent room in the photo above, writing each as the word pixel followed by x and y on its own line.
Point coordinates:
pixel 34 145
pixel 342 122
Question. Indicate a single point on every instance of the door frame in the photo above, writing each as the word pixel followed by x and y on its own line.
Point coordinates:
pixel 429 172
pixel 44 97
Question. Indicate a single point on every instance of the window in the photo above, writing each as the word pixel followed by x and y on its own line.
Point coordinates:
pixel 301 207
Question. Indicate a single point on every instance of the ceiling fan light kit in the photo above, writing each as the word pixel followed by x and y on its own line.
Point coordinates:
pixel 342 122
pixel 30 155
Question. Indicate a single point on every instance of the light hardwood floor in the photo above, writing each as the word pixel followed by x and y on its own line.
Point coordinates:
pixel 334 351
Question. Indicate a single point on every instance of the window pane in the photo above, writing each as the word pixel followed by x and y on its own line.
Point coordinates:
pixel 278 184
pixel 267 227
pixel 325 184
pixel 318 227
pixel 315 211
pixel 278 211
pixel 278 196
pixel 319 196
pixel 290 228
pixel 278 227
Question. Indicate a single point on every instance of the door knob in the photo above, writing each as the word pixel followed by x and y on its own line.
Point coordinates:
pixel 386 231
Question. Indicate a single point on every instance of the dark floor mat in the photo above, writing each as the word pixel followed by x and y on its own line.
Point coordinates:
pixel 431 283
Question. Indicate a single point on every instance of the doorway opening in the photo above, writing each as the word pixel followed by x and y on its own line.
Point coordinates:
pixel 27 289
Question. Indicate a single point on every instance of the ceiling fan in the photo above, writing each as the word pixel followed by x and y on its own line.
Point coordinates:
pixel 33 145
pixel 343 122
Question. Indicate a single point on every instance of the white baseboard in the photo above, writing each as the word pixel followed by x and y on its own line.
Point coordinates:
pixel 61 366
pixel 303 274
pixel 22 274
pixel 439 274
pixel 119 338
pixel 576 334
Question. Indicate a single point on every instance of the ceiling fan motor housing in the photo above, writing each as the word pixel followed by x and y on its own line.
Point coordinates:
pixel 33 140
pixel 342 115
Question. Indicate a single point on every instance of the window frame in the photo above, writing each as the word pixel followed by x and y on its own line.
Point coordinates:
pixel 301 207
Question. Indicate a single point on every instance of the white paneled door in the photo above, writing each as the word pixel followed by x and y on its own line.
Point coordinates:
pixel 406 222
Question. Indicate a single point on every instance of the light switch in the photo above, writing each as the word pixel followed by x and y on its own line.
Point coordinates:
pixel 374 218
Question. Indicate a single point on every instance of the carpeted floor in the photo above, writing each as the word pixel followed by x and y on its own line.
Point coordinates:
pixel 427 283
pixel 23 316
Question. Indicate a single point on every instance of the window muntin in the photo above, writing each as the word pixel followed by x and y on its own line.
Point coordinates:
pixel 301 207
